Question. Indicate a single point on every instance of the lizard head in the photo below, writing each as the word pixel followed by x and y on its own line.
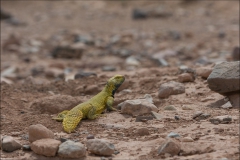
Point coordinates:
pixel 114 83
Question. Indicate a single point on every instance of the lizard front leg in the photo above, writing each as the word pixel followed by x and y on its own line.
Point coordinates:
pixel 92 113
pixel 109 104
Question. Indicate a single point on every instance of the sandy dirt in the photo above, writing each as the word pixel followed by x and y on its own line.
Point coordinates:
pixel 207 29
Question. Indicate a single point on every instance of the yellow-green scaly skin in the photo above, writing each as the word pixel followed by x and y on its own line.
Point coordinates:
pixel 92 108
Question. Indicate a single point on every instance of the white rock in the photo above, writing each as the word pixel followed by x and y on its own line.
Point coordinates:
pixel 227 105
pixel 71 149
pixel 234 98
pixel 8 71
pixel 9 144
pixel 148 97
pixel 157 115
pixel 132 61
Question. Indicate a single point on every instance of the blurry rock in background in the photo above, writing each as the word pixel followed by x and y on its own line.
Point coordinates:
pixel 139 14
pixel 159 12
pixel 10 19
pixel 236 54
pixel 4 15
pixel 68 51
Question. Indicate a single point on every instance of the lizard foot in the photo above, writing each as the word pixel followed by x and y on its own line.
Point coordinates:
pixel 60 116
pixel 112 109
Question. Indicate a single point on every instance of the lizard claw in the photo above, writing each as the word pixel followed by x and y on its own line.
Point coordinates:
pixel 112 109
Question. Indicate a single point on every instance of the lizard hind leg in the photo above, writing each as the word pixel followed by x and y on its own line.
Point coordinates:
pixel 71 120
pixel 61 116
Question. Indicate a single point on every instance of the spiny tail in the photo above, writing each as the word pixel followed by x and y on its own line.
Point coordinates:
pixel 71 120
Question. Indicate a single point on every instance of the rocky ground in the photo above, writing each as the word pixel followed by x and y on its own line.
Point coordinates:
pixel 55 55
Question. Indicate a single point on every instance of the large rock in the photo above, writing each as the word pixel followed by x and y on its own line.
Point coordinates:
pixel 100 147
pixel 170 88
pixel 225 77
pixel 39 131
pixel 137 107
pixel 170 147
pixel 71 149
pixel 9 144
pixel 55 104
pixel 46 147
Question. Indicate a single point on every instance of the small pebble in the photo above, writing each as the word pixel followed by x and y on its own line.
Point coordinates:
pixel 26 147
pixel 108 68
pixel 15 133
pixel 185 77
pixel 186 107
pixel 187 139
pixel 173 135
pixel 25 136
pixel 63 139
pixel 90 136
pixel 143 131
pixel 116 152
pixel 143 118
pixel 170 108
pixel 103 158
pixel 176 117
